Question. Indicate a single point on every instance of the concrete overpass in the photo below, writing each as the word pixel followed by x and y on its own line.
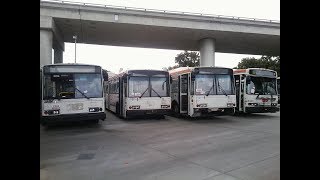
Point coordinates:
pixel 149 28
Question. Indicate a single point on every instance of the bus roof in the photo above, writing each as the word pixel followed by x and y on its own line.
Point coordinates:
pixel 114 76
pixel 247 70
pixel 70 68
pixel 263 72
pixel 184 70
pixel 70 64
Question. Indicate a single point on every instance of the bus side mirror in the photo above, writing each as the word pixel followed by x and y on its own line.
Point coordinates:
pixel 170 79
pixel 105 75
pixel 124 78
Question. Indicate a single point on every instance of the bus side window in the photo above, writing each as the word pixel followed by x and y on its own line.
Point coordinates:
pixel 107 89
pixel 184 83
pixel 174 86
pixel 117 86
pixel 192 87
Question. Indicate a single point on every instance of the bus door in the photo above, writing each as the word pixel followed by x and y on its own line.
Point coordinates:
pixel 121 96
pixel 237 80
pixel 190 88
pixel 183 93
pixel 242 92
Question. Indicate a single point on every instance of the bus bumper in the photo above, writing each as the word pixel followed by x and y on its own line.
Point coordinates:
pixel 261 109
pixel 73 117
pixel 207 112
pixel 148 112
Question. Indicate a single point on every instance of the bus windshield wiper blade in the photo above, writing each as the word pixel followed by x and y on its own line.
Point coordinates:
pixel 155 92
pixel 258 95
pixel 82 93
pixel 209 90
pixel 144 92
pixel 222 89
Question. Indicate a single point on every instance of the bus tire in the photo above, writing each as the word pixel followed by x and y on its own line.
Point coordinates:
pixel 117 109
pixel 160 117
pixel 95 121
pixel 175 110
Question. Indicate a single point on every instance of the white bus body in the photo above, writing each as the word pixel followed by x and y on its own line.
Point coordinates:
pixel 72 92
pixel 139 92
pixel 256 90
pixel 202 91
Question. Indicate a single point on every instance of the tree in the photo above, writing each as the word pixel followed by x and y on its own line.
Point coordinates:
pixel 186 58
pixel 190 59
pixel 268 62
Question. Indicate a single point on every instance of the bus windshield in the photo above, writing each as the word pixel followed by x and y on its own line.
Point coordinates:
pixel 210 84
pixel 224 84
pixel 159 86
pixel 261 85
pixel 139 86
pixel 204 84
pixel 72 86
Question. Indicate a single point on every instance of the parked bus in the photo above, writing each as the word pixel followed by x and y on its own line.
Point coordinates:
pixel 202 91
pixel 71 92
pixel 256 90
pixel 139 92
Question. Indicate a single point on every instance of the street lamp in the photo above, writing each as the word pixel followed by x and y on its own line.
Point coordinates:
pixel 75 48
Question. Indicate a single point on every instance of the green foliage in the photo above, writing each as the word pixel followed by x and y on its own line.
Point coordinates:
pixel 186 58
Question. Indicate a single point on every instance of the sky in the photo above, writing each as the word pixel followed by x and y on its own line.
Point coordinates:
pixel 113 58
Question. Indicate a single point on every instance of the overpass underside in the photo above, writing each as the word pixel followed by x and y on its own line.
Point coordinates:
pixel 94 25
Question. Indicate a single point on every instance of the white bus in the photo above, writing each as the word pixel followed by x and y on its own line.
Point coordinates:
pixel 202 91
pixel 256 90
pixel 71 92
pixel 139 92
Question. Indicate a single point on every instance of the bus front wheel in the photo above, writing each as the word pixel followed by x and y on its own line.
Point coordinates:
pixel 95 121
pixel 176 110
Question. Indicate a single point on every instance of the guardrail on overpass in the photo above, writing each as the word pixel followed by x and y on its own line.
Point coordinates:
pixel 163 11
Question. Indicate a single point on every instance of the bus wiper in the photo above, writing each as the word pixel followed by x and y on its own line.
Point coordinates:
pixel 258 95
pixel 144 92
pixel 82 93
pixel 209 90
pixel 156 92
pixel 222 89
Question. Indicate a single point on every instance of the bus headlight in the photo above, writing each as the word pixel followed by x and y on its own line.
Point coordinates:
pixel 95 109
pixel 230 104
pixel 165 106
pixel 202 105
pixel 52 112
pixel 134 107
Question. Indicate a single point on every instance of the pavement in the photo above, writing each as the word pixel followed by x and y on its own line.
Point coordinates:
pixel 245 147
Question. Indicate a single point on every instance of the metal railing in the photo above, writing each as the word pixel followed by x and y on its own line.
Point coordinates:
pixel 161 11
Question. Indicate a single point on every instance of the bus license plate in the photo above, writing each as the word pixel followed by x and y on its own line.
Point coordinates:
pixel 76 107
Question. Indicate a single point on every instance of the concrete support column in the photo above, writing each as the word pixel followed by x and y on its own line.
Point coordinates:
pixel 207 51
pixel 58 56
pixel 45 47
